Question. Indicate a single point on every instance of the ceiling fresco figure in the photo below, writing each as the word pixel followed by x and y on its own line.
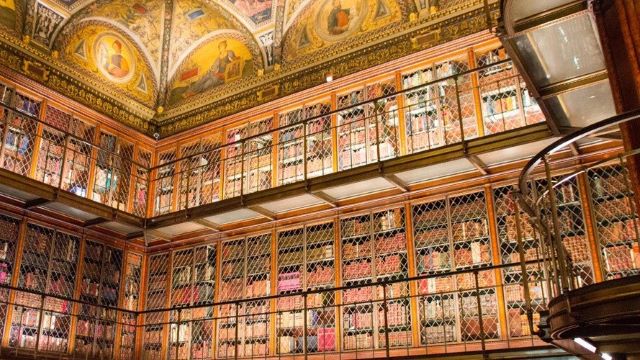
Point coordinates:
pixel 338 20
pixel 111 60
pixel 8 13
pixel 218 62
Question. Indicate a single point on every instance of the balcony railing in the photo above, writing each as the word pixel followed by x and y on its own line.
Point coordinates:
pixel 51 326
pixel 586 216
pixel 455 105
pixel 368 320
pixel 367 126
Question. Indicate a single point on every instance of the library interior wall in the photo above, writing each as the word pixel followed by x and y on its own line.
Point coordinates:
pixel 459 223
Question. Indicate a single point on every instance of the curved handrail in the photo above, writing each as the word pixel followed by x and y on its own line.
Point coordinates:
pixel 570 139
pixel 548 214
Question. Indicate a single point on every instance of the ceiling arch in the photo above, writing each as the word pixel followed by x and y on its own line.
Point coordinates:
pixel 105 51
pixel 139 18
pixel 323 24
pixel 218 60
pixel 194 20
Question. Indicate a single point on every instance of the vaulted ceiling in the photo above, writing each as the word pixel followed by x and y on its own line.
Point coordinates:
pixel 165 58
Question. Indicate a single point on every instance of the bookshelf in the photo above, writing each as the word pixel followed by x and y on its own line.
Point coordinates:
pixel 130 301
pixel 200 172
pixel 164 182
pixel 291 147
pixel 113 171
pixel 20 135
pixel 616 220
pixel 249 163
pixel 573 230
pixel 78 157
pixel 192 283
pixel 505 101
pixel 245 274
pixel 52 146
pixel 156 298
pixel 451 233
pixel 96 325
pixel 74 150
pixel 306 261
pixel 49 262
pixel 365 130
pixel 507 214
pixel 374 248
pixel 141 180
pixel 431 111
pixel 319 156
pixel 304 142
pixel 6 95
pixel 9 229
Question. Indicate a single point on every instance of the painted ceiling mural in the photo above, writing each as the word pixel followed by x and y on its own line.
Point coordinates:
pixel 9 15
pixel 222 60
pixel 140 18
pixel 104 52
pixel 173 56
pixel 193 21
pixel 327 22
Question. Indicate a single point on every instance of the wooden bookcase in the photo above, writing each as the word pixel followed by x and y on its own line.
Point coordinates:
pixel 245 274
pixel 20 135
pixel 192 283
pixel 432 116
pixel 573 227
pixel 9 231
pixel 156 298
pixel 505 101
pixel 306 261
pixel 374 248
pixel 512 222
pixel 113 171
pixel 141 187
pixel 101 279
pixel 200 172
pixel 452 234
pixel 49 264
pixel 291 147
pixel 249 164
pixel 367 132
pixel 615 219
pixel 130 301
pixel 304 145
pixel 164 183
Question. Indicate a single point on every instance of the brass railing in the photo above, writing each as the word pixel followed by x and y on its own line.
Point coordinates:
pixel 52 326
pixel 588 214
pixel 368 320
pixel 470 103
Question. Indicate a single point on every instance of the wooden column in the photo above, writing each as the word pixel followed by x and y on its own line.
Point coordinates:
pixel 496 259
pixel 22 234
pixel 402 126
pixel 619 27
pixel 590 226
pixel 413 288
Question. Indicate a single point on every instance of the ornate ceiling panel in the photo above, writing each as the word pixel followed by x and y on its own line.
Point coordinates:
pixel 174 57
pixel 105 52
